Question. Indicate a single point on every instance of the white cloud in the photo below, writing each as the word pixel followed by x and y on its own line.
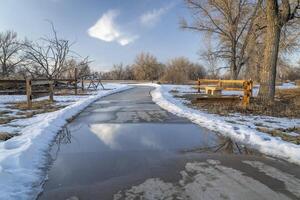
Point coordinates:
pixel 150 18
pixel 107 30
pixel 126 40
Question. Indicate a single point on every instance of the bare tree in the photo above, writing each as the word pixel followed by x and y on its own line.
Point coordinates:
pixel 82 66
pixel 294 72
pixel 232 21
pixel 47 58
pixel 10 49
pixel 278 14
pixel 289 43
pixel 196 71
pixel 181 70
pixel 128 73
pixel 210 60
pixel 117 73
pixel 146 67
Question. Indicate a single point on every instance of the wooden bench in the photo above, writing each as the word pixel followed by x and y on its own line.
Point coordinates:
pixel 213 90
pixel 215 87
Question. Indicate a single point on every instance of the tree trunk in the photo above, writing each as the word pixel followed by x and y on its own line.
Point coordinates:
pixel 233 66
pixel 268 70
pixel 233 71
pixel 4 70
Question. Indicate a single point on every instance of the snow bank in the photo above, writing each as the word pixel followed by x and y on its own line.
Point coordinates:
pixel 243 133
pixel 22 158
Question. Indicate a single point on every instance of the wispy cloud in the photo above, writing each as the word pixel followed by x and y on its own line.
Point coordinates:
pixel 107 30
pixel 150 18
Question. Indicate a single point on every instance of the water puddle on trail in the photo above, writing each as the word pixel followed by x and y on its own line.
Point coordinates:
pixel 99 159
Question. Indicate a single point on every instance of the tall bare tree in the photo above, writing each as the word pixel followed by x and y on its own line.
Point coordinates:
pixel 210 60
pixel 181 70
pixel 10 49
pixel 83 68
pixel 231 21
pixel 278 14
pixel 146 67
pixel 117 72
pixel 47 58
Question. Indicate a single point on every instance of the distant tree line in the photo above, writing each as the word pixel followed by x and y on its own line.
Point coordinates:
pixel 147 67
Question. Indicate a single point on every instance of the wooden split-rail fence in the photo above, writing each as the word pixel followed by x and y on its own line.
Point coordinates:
pixel 214 88
pixel 37 86
pixel 27 84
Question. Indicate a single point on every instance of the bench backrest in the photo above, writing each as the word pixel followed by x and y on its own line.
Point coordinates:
pixel 234 85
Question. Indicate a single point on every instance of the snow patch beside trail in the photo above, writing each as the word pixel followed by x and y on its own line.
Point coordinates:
pixel 23 157
pixel 12 98
pixel 241 132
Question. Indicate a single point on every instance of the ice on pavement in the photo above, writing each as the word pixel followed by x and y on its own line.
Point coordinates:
pixel 291 183
pixel 204 180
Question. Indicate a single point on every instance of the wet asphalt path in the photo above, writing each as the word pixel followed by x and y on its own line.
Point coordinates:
pixel 124 139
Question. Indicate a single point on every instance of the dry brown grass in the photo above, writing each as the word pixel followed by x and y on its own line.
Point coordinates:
pixel 46 105
pixel 287 104
pixel 5 136
pixel 6 120
pixel 70 92
pixel 282 133
pixel 38 107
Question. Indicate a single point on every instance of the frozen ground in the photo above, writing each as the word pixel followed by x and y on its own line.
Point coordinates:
pixel 23 157
pixel 238 127
pixel 211 180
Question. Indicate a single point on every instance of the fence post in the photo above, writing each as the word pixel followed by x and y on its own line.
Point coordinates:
pixel 247 86
pixel 75 77
pixel 29 93
pixel 251 87
pixel 51 91
pixel 82 84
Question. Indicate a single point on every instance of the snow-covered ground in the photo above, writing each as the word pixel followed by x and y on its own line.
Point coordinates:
pixel 238 127
pixel 290 85
pixel 23 157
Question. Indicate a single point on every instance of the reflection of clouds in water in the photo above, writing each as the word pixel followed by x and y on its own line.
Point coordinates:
pixel 107 134
pixel 150 141
pixel 117 137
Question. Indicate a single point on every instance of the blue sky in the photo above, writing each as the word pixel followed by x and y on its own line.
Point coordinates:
pixel 109 31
